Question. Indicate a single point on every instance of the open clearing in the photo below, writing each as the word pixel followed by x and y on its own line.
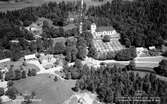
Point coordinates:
pixel 5 6
pixel 49 91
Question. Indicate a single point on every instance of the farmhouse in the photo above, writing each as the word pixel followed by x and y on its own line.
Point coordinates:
pixel 106 49
pixel 30 57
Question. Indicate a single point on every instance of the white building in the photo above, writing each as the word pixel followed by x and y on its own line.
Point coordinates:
pixel 5 60
pixel 140 51
pixel 30 57
pixel 100 32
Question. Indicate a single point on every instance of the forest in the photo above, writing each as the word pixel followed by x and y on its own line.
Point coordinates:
pixel 111 83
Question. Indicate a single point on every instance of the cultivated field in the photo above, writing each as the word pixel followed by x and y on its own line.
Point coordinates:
pixel 103 48
pixel 49 91
pixel 111 46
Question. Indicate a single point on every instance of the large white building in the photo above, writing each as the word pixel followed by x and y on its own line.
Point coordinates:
pixel 100 32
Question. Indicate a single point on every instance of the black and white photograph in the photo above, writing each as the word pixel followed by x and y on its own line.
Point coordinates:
pixel 83 51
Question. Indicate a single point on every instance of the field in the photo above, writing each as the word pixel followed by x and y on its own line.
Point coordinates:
pixel 49 91
pixel 104 47
pixel 111 46
pixel 4 6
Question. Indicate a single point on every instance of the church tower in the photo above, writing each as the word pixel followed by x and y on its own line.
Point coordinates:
pixel 81 17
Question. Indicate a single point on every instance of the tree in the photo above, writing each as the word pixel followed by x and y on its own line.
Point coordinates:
pixel 106 38
pixel 16 53
pixel 24 74
pixel 165 54
pixel 2 92
pixel 78 64
pixel 71 53
pixel 10 75
pixel 59 48
pixel 55 79
pixel 126 54
pixel 12 93
pixel 131 66
pixel 18 74
pixel 162 68
pixel 10 83
pixel 32 72
pixel 82 52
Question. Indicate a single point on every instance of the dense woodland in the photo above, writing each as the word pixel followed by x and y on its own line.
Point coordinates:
pixel 111 82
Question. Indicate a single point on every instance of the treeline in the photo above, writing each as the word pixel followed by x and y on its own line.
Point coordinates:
pixel 17 74
pixel 111 82
pixel 140 23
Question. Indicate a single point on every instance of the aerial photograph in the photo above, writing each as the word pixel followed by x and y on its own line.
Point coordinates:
pixel 83 51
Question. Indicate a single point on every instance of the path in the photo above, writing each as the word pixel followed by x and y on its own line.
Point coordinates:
pixel 48 71
pixel 149 62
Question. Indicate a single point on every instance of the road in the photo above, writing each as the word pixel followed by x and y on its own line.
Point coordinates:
pixel 148 62
pixel 48 71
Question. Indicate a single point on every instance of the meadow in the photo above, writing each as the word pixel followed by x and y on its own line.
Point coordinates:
pixel 46 89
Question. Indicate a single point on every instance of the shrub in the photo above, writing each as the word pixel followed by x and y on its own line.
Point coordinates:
pixel 32 72
pixel 18 74
pixel 126 54
pixel 55 79
pixel 162 68
pixel 165 54
pixel 10 75
pixel 10 83
pixel 24 74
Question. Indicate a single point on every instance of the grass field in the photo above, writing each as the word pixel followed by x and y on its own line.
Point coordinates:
pixel 4 6
pixel 49 91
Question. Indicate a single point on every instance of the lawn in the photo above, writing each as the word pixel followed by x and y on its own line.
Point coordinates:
pixel 49 91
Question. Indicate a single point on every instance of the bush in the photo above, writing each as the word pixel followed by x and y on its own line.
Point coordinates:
pixel 12 93
pixel 162 68
pixel 2 91
pixel 106 38
pixel 18 74
pixel 10 83
pixel 32 72
pixel 24 74
pixel 55 79
pixel 164 54
pixel 126 54
pixel 10 75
